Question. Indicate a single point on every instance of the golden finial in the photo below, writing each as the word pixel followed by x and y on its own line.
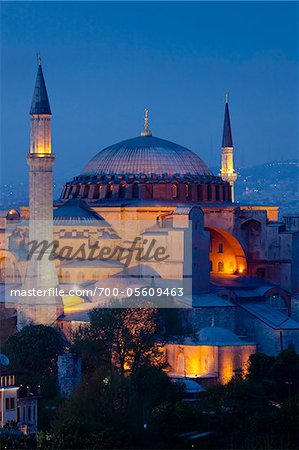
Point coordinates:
pixel 226 97
pixel 146 131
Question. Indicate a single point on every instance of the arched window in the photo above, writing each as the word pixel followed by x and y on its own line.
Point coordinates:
pixel 220 248
pixel 135 190
pixel 220 266
pixel 211 266
pixel 70 191
pixel 174 188
pixel 149 190
pixel 96 192
pixel 199 192
pixel 77 190
pixel 209 192
pixel 217 192
pixel 188 191
pixel 86 191
pixel 122 190
pixel 109 190
pixel 64 191
pixel 224 192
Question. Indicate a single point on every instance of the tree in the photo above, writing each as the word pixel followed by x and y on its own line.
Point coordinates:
pixel 12 438
pixel 119 339
pixel 34 349
pixel 285 374
pixel 259 366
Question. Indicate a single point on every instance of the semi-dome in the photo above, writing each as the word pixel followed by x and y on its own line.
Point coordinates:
pixel 146 155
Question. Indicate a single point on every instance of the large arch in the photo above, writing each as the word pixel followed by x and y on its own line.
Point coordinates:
pixel 226 253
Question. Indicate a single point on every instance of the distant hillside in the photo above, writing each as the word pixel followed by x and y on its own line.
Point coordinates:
pixel 274 183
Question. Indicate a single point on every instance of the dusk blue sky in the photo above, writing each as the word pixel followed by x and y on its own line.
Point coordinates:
pixel 104 62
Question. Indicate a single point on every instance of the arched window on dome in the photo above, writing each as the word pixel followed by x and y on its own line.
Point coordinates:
pixel 70 191
pixel 220 266
pixel 86 191
pixel 77 190
pixel 209 192
pixel 63 194
pixel 96 192
pixel 188 191
pixel 199 193
pixel 122 190
pixel 174 188
pixel 149 190
pixel 217 193
pixel 135 189
pixel 109 190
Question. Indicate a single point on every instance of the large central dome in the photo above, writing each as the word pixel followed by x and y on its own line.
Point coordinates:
pixel 146 155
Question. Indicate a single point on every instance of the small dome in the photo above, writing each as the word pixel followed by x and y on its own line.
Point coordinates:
pixel 146 155
pixel 218 336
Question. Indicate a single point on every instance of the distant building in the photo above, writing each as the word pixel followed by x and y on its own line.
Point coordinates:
pixel 18 405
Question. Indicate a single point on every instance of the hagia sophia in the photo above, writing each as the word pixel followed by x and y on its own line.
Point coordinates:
pixel 238 263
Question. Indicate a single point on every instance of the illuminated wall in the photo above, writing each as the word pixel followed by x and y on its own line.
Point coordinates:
pixel 197 361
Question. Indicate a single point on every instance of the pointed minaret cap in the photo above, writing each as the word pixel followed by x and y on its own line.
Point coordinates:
pixel 227 140
pixel 146 131
pixel 40 101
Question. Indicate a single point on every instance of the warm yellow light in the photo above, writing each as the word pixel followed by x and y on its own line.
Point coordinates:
pixel 70 302
pixel 43 149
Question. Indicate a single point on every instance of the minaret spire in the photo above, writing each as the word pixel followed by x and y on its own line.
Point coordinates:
pixel 227 140
pixel 146 131
pixel 40 101
pixel 227 171
pixel 41 271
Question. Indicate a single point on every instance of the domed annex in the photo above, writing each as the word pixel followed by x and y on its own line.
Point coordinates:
pixel 147 167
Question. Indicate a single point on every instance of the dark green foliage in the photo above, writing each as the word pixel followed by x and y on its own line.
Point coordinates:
pixel 34 349
pixel 259 366
pixel 101 419
pixel 11 438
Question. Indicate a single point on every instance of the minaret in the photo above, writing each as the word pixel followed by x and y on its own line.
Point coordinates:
pixel 227 171
pixel 41 272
